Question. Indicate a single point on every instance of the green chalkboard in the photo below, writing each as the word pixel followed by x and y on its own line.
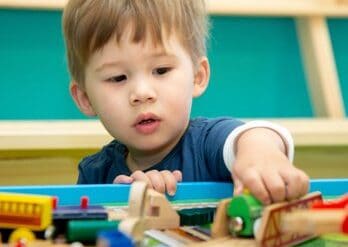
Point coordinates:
pixel 256 68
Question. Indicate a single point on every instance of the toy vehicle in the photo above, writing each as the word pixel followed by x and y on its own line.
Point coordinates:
pixel 29 217
pixel 245 216
pixel 23 215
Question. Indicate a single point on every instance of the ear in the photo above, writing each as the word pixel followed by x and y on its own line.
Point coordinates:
pixel 81 99
pixel 202 76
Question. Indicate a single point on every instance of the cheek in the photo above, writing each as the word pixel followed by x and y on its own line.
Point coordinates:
pixel 182 94
pixel 107 105
pixel 180 101
pixel 113 116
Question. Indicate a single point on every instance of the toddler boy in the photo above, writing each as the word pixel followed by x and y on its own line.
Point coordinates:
pixel 137 65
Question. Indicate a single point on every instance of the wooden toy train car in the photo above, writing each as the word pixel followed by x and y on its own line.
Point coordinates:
pixel 24 216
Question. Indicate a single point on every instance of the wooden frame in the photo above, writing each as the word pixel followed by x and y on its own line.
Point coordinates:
pixel 43 135
pixel 333 8
pixel 320 67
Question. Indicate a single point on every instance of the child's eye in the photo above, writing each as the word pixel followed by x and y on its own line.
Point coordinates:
pixel 161 71
pixel 119 78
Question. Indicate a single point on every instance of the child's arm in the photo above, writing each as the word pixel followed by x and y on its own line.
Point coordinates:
pixel 161 181
pixel 261 165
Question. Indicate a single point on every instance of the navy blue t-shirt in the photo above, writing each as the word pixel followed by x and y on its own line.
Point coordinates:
pixel 198 155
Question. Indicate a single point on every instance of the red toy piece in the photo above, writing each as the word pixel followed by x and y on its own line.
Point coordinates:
pixel 54 202
pixel 340 203
pixel 84 202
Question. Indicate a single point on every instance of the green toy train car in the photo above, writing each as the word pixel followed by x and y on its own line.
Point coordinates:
pixel 244 212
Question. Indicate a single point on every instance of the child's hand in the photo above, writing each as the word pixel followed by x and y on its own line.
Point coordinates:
pixel 161 181
pixel 262 167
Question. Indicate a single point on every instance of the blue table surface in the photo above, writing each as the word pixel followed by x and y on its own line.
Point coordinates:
pixel 118 193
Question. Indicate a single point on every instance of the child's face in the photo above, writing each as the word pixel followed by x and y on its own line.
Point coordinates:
pixel 142 93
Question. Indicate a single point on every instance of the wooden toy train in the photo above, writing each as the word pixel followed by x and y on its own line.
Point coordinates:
pixel 24 216
pixel 240 219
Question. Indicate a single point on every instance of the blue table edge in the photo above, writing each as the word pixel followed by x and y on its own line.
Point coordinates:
pixel 118 193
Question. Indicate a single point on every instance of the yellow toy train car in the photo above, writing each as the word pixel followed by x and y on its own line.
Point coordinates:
pixel 22 211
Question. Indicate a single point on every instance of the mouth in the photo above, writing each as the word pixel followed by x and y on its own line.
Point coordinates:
pixel 147 123
pixel 146 119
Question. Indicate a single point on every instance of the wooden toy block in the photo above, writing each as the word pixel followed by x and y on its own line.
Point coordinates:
pixel 151 206
pixel 159 214
pixel 323 217
pixel 270 234
pixel 219 227
pixel 133 227
pixel 148 209
pixel 136 199
pixel 314 222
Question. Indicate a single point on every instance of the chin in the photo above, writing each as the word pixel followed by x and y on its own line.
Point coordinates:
pixel 150 146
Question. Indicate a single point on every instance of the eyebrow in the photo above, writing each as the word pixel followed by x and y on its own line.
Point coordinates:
pixel 151 56
pixel 108 64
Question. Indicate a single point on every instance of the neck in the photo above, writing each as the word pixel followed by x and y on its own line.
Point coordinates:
pixel 143 161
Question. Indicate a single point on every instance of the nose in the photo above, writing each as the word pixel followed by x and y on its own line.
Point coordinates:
pixel 142 92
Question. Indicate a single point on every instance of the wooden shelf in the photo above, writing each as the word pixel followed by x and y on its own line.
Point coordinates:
pixel 333 8
pixel 317 131
pixel 33 4
pixel 296 8
pixel 43 135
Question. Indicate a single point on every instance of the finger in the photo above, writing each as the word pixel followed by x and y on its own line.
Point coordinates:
pixel 157 180
pixel 140 176
pixel 275 185
pixel 178 175
pixel 305 183
pixel 237 186
pixel 253 181
pixel 123 179
pixel 297 183
pixel 170 182
pixel 293 181
pixel 237 183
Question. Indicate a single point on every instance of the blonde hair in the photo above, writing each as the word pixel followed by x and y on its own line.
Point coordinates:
pixel 89 24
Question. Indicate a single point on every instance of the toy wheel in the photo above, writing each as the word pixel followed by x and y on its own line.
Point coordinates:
pixel 21 234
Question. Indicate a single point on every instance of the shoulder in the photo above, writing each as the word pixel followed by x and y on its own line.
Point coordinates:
pixel 99 167
pixel 219 123
pixel 104 156
pixel 211 133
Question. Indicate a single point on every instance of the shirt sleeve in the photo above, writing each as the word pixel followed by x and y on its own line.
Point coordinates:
pixel 215 134
pixel 230 144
